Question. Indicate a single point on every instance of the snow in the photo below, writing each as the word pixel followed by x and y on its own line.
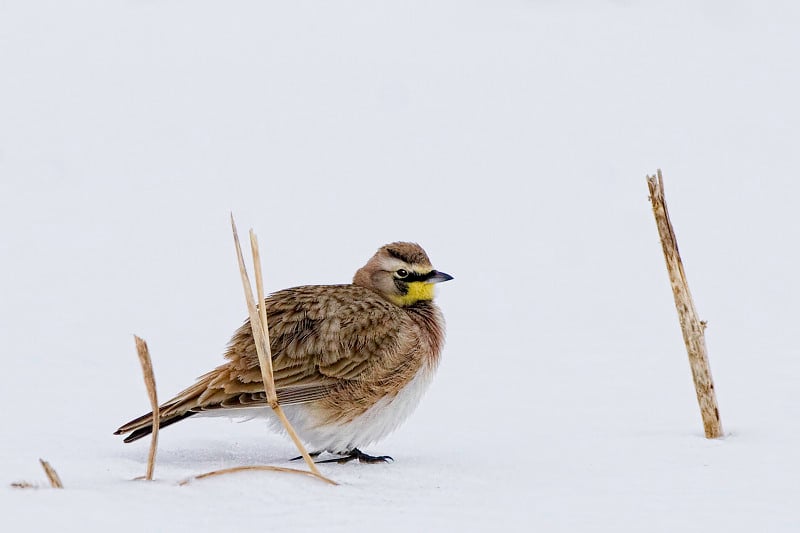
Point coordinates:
pixel 511 139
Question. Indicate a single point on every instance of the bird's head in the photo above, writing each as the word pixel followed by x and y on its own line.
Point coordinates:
pixel 400 272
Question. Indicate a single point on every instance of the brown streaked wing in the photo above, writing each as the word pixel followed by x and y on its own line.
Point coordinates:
pixel 318 335
pixel 287 396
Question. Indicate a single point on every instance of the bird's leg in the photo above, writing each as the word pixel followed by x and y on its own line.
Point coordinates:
pixel 362 457
pixel 314 455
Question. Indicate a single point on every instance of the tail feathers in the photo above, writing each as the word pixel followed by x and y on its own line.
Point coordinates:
pixel 180 407
pixel 169 413
pixel 143 428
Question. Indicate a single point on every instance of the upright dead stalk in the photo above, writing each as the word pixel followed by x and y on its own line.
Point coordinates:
pixel 258 323
pixel 692 327
pixel 150 383
pixel 52 475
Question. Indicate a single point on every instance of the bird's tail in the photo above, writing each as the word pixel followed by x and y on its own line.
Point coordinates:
pixel 182 406
pixel 222 388
pixel 143 426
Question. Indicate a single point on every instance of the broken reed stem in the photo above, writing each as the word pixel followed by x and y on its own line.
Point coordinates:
pixel 692 327
pixel 150 383
pixel 261 337
pixel 52 475
pixel 256 467
pixel 272 393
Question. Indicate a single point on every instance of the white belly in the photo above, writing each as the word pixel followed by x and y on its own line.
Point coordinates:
pixel 376 423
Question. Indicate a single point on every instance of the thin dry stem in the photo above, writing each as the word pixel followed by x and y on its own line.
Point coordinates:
pixel 255 325
pixel 256 467
pixel 150 383
pixel 261 336
pixel 262 308
pixel 52 475
pixel 272 395
pixel 692 327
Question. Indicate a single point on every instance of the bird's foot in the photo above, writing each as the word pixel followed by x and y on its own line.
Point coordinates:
pixel 362 457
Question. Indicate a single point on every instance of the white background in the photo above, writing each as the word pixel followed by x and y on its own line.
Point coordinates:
pixel 511 139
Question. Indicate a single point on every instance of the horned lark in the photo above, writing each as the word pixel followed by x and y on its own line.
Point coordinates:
pixel 351 361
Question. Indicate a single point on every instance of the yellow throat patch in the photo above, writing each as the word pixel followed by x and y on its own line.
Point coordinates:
pixel 417 290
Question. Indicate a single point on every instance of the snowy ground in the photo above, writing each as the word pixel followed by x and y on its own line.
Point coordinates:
pixel 509 138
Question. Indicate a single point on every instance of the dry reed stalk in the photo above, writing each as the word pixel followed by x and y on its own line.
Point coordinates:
pixel 261 336
pixel 256 467
pixel 692 327
pixel 272 395
pixel 52 475
pixel 150 383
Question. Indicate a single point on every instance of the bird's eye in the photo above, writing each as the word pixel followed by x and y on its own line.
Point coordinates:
pixel 402 273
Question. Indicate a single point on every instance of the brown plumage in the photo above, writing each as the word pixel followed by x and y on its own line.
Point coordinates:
pixel 350 361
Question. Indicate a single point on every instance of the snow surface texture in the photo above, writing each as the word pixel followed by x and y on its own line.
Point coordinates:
pixel 511 139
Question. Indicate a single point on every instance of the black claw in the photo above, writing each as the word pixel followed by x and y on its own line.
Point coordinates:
pixel 362 457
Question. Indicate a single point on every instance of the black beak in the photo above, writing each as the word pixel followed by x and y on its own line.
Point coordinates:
pixel 438 277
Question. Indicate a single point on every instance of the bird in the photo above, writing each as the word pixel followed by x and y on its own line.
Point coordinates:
pixel 351 362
